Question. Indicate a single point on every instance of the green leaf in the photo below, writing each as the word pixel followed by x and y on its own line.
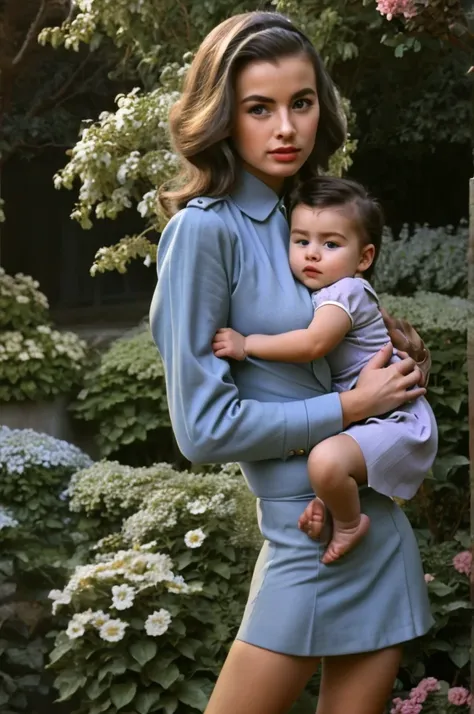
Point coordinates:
pixel 457 605
pixel 143 652
pixel 99 707
pixel 460 656
pixel 116 666
pixel 122 694
pixel 60 651
pixel 190 693
pixel 169 703
pixel 145 700
pixel 221 569
pixel 69 684
pixel 165 676
pixel 96 689
pixel 439 588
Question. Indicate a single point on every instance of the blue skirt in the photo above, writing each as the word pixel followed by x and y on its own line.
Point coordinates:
pixel 372 598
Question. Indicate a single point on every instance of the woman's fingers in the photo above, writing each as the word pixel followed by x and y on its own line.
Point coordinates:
pixel 381 358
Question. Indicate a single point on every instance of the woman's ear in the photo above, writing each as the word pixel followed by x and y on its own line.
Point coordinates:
pixel 366 257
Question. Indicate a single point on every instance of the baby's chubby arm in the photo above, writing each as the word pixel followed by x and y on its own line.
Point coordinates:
pixel 328 328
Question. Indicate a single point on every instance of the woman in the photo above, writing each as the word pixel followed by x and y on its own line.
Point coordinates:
pixel 258 112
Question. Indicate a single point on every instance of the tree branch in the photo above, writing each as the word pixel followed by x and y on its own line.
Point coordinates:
pixel 31 34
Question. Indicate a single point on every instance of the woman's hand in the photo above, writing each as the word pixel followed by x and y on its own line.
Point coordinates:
pixel 408 342
pixel 381 389
pixel 229 343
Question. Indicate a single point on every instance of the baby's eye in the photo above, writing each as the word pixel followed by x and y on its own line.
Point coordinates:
pixel 258 110
pixel 331 244
pixel 302 241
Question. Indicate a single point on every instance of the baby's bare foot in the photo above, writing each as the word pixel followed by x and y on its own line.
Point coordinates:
pixel 312 519
pixel 345 539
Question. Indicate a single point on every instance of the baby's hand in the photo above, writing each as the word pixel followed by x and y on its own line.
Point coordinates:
pixel 229 343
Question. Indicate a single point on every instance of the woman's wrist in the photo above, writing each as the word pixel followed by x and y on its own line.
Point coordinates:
pixel 353 407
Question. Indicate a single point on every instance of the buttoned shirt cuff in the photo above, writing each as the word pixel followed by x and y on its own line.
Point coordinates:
pixel 322 417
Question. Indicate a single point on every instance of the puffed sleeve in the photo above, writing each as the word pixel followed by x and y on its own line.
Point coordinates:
pixel 191 301
pixel 348 294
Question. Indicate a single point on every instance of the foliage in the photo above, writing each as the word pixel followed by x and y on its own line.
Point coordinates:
pixel 36 362
pixel 442 322
pixel 429 259
pixel 36 551
pixel 447 570
pixel 168 606
pixel 22 304
pixel 125 395
pixel 34 471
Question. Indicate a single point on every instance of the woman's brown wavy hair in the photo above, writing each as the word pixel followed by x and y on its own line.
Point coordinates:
pixel 201 120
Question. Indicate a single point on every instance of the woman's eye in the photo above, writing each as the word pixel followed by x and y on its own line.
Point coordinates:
pixel 303 103
pixel 258 110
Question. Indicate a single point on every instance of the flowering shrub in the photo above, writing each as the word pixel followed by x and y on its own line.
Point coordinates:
pixel 438 697
pixel 125 395
pixel 22 304
pixel 36 361
pixel 34 471
pixel 151 619
pixel 39 540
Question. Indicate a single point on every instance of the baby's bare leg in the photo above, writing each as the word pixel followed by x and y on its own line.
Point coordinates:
pixel 336 467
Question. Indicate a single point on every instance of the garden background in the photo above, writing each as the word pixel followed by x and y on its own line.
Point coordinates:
pixel 123 568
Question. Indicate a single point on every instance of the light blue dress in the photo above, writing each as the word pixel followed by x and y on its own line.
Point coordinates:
pixel 224 262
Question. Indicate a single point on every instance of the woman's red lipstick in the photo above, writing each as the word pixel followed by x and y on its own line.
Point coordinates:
pixel 285 153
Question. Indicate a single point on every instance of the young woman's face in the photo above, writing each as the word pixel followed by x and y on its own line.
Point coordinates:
pixel 276 117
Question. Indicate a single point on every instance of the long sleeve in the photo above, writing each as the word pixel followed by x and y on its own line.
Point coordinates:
pixel 191 301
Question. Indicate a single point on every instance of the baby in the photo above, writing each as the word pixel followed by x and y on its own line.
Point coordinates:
pixel 336 231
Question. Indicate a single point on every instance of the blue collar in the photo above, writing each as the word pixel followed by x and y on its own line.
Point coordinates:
pixel 253 197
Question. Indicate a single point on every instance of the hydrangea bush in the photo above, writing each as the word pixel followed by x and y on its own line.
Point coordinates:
pixel 151 619
pixel 125 395
pixel 39 541
pixel 22 304
pixel 36 361
pixel 34 471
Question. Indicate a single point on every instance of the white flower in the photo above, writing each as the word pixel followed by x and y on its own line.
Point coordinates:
pixel 22 299
pixel 83 618
pixel 62 597
pixel 157 623
pixel 113 630
pixel 177 585
pixel 99 618
pixel 198 506
pixel 123 596
pixel 147 261
pixel 75 630
pixel 194 539
pixel 44 329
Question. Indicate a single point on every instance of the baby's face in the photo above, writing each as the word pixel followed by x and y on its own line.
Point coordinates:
pixel 324 246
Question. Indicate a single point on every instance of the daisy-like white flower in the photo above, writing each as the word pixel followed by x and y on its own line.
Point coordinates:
pixel 83 618
pixel 198 506
pixel 149 546
pixel 99 618
pixel 75 629
pixel 194 539
pixel 122 596
pixel 177 585
pixel 157 623
pixel 106 574
pixel 113 630
pixel 59 597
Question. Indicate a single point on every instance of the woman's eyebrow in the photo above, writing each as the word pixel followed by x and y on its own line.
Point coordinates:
pixel 269 100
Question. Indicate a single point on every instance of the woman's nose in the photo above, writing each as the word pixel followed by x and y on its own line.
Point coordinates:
pixel 285 127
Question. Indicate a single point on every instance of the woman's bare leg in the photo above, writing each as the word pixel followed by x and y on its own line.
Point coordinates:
pixel 258 681
pixel 358 684
pixel 336 468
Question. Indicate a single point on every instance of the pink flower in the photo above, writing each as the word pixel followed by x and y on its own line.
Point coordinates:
pixel 405 707
pixel 429 684
pixel 390 8
pixel 463 563
pixel 459 696
pixel 429 578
